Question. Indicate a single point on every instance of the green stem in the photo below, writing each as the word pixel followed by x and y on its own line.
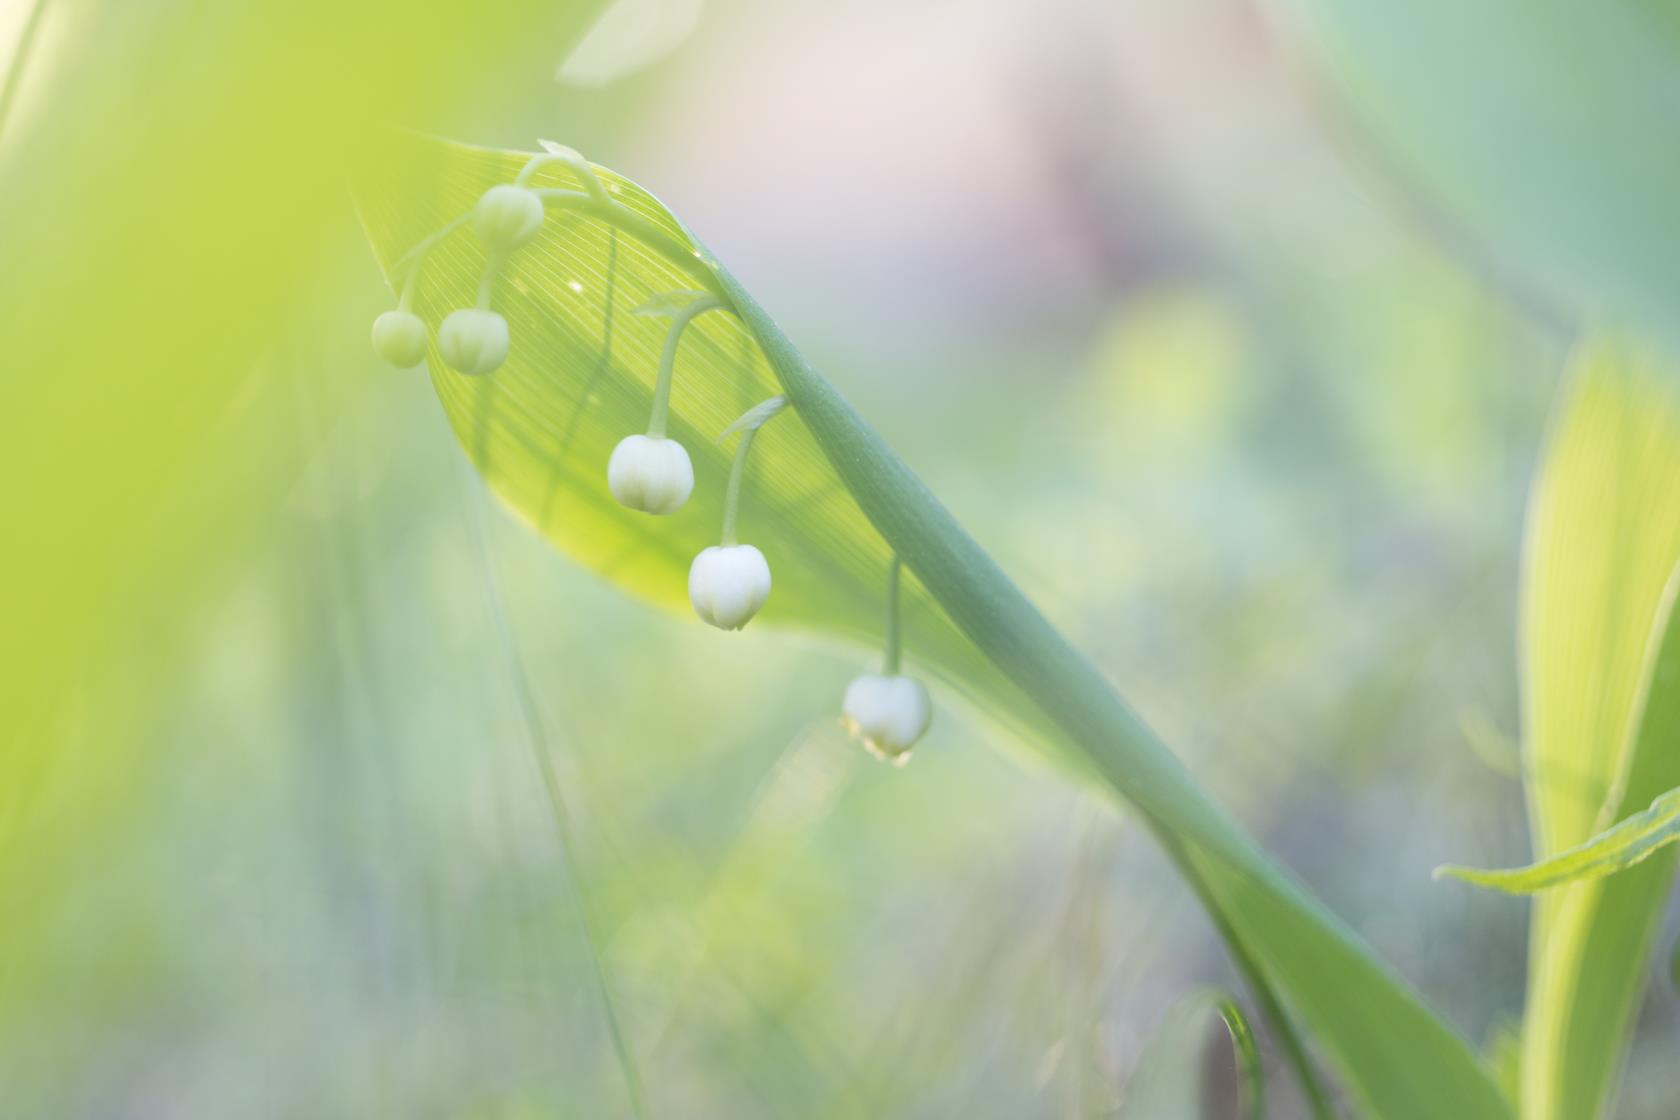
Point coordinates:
pixel 748 425
pixel 1294 1047
pixel 732 498
pixel 889 663
pixel 487 281
pixel 572 160
pixel 668 361
pixel 1292 942
pixel 408 265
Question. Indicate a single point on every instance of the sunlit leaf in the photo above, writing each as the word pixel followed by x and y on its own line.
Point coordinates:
pixel 1617 848
pixel 1602 709
pixel 823 498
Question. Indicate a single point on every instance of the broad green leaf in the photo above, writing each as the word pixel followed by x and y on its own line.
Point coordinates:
pixel 1540 128
pixel 1602 709
pixel 1169 1082
pixel 829 504
pixel 1617 848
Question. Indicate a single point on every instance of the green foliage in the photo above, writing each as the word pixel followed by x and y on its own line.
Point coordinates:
pixel 1599 664
pixel 1617 848
pixel 171 192
pixel 829 503
pixel 1533 126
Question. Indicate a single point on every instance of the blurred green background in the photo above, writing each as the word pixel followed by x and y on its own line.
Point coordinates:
pixel 1140 303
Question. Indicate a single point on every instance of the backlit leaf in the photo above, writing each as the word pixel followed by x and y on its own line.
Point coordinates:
pixel 1602 709
pixel 1617 848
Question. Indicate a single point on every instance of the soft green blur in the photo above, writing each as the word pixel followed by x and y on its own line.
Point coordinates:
pixel 273 836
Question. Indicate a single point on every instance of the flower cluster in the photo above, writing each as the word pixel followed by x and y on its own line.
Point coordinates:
pixel 730 581
pixel 887 711
pixel 507 217
pixel 649 472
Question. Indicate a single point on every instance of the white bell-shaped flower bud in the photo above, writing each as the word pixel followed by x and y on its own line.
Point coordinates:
pixel 507 217
pixel 650 473
pixel 728 583
pixel 474 340
pixel 399 337
pixel 888 713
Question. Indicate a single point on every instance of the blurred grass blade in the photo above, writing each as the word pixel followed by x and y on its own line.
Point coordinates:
pixel 829 504
pixel 1599 665
pixel 172 207
pixel 1617 848
pixel 1251 1074
pixel 1169 1082
pixel 574 879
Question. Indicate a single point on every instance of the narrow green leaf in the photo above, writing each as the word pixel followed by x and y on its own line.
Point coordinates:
pixel 1251 1073
pixel 1619 847
pixel 1600 662
pixel 1168 1082
pixel 829 504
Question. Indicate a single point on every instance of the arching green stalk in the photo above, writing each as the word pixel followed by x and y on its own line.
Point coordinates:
pixel 890 662
pixel 1288 939
pixel 668 362
pixel 487 280
pixel 748 425
pixel 573 161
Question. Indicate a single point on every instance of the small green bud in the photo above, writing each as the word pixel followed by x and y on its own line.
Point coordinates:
pixel 507 217
pixel 399 337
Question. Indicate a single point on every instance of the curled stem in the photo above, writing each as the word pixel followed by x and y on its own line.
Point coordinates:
pixel 487 281
pixel 748 425
pixel 668 362
pixel 573 161
pixel 890 662
pixel 409 264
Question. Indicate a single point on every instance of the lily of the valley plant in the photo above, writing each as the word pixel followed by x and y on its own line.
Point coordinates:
pixel 647 472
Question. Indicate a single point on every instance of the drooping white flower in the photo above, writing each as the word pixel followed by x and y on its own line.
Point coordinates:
pixel 888 713
pixel 399 337
pixel 507 217
pixel 728 583
pixel 650 473
pixel 474 340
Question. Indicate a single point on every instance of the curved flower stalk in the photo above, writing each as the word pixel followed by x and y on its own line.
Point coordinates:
pixel 729 582
pixel 652 472
pixel 848 504
pixel 888 712
pixel 508 216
